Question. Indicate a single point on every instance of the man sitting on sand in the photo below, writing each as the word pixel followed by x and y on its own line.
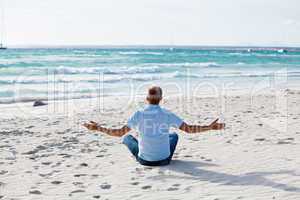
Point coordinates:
pixel 155 145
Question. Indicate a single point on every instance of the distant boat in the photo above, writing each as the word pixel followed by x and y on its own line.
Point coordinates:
pixel 2 47
pixel 249 50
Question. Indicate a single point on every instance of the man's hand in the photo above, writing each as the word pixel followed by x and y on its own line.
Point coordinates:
pixel 93 126
pixel 216 126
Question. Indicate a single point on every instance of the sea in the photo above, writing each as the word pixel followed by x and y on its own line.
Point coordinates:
pixel 29 74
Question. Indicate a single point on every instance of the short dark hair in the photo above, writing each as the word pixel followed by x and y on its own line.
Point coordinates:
pixel 154 95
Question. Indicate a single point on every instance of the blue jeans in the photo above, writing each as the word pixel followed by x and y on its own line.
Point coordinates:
pixel 132 144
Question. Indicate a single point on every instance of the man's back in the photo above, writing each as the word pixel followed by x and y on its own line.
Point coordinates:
pixel 153 124
pixel 155 145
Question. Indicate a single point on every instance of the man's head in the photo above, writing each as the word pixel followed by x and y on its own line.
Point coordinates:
pixel 154 95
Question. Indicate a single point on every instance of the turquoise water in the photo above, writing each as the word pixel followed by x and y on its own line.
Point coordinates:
pixel 29 74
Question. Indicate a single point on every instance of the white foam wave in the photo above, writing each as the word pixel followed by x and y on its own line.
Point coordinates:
pixel 189 64
pixel 112 70
pixel 140 53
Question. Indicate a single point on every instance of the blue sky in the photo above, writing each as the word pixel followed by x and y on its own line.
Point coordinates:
pixel 152 22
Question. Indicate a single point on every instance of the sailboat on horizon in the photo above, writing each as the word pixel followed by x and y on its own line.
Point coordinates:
pixel 2 47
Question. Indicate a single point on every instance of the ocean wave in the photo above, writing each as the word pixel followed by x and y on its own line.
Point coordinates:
pixel 100 79
pixel 237 74
pixel 112 77
pixel 44 98
pixel 188 64
pixel 81 70
pixel 140 53
pixel 112 70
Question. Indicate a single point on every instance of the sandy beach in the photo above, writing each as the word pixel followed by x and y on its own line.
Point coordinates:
pixel 226 74
pixel 45 153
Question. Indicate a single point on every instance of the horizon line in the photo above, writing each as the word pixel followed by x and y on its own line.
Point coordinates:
pixel 145 46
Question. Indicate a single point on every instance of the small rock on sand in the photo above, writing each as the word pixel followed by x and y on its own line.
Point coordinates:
pixel 39 103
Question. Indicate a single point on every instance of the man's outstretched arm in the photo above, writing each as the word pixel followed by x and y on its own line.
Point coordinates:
pixel 198 129
pixel 112 132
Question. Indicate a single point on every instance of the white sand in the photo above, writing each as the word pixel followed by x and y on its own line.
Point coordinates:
pixel 46 154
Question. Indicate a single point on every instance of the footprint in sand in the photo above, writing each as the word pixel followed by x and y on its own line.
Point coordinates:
pixel 46 163
pixel 2 172
pixel 105 186
pixel 161 172
pixel 139 170
pixel 172 189
pixel 49 174
pixel 35 192
pixel 146 187
pixel 134 183
pixel 76 191
pixel 56 182
pixel 95 175
pixel 135 195
pixel 64 155
pixel 291 139
pixel 259 139
pixel 34 151
pixel 83 165
pixel 283 142
pixel 148 168
pixel 79 175
pixel 78 184
pixel 56 165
